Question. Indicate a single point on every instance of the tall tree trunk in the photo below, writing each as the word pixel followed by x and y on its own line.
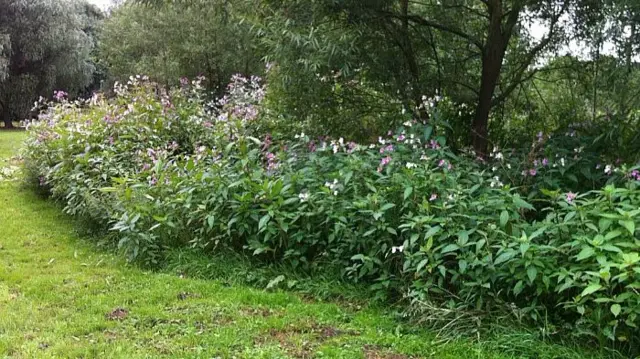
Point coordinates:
pixel 492 56
pixel 410 57
pixel 5 117
pixel 491 67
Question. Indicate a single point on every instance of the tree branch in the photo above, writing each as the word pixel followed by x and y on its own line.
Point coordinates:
pixel 428 23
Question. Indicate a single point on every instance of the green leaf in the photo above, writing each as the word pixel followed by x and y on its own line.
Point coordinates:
pixel 462 265
pixel 504 256
pixel 520 203
pixel 518 288
pixel 407 192
pixel 629 225
pixel 569 216
pixel 422 264
pixel 274 282
pixel 463 238
pixel 358 257
pixel 612 234
pixel 263 221
pixel 532 272
pixel 616 309
pixel 449 248
pixel 592 288
pixel 585 253
pixel 387 206
pixel 504 218
pixel 432 231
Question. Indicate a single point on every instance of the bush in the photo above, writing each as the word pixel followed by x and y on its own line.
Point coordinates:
pixel 405 214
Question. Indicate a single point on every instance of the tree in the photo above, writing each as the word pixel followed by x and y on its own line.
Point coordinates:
pixel 172 41
pixel 43 48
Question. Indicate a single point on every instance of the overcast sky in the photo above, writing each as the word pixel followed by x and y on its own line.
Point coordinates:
pixel 103 4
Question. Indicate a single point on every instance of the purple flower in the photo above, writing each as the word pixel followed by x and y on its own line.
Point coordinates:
pixel 570 197
pixel 401 138
pixel 111 140
pixel 312 146
pixel 385 161
pixel 59 95
pixel 545 162
pixel 184 81
pixel 441 163
pixel 434 144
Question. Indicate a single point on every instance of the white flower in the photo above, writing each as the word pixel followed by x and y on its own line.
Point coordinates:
pixel 562 161
pixel 499 156
pixel 303 197
pixel 424 158
pixel 495 182
pixel 411 165
pixel 494 168
pixel 398 249
pixel 335 193
pixel 408 123
pixel 509 165
pixel 607 169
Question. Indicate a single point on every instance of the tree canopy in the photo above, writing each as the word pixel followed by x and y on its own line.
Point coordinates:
pixel 44 46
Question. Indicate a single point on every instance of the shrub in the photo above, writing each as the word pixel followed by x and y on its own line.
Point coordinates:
pixel 405 214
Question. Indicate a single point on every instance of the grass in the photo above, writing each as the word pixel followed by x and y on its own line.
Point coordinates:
pixel 61 297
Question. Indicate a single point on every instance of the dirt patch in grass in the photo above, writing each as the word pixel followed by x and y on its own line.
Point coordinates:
pixel 259 312
pixel 301 341
pixel 376 352
pixel 117 314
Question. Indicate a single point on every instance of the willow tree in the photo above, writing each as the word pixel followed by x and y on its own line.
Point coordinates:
pixel 43 47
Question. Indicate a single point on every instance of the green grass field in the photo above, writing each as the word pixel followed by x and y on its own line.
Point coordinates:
pixel 60 297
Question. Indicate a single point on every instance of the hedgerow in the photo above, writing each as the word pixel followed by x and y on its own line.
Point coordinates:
pixel 406 215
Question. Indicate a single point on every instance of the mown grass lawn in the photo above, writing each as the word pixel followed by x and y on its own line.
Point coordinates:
pixel 60 297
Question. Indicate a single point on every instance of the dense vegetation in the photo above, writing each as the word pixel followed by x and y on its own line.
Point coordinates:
pixel 44 46
pixel 444 155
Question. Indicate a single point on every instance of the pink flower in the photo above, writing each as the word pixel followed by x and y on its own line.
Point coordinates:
pixel 570 197
pixel 59 95
pixel 533 172
pixel 385 161
pixel 441 163
pixel 545 162
pixel 433 197
pixel 402 138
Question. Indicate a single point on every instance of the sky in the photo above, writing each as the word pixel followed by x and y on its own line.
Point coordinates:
pixel 103 4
